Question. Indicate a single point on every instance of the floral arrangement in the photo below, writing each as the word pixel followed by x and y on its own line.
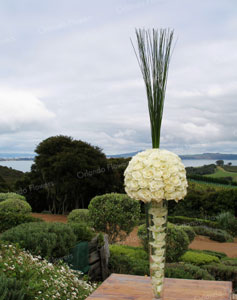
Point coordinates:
pixel 155 175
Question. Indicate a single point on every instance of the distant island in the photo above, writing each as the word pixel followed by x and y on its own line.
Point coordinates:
pixel 16 156
pixel 210 156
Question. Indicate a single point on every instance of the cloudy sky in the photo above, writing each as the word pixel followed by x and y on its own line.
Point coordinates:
pixel 68 67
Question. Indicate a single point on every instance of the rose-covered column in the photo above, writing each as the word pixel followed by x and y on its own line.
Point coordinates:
pixel 155 176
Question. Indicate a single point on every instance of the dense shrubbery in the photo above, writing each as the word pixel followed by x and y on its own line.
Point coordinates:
pixel 204 201
pixel 228 222
pixel 198 258
pixel 39 279
pixel 11 289
pixel 7 196
pixel 186 271
pixel 78 216
pixel 222 180
pixel 15 206
pixel 9 220
pixel 177 241
pixel 114 214
pixel 203 170
pixel 128 260
pixel 189 231
pixel 52 240
pixel 218 235
pixel 220 255
pixel 82 232
pixel 192 221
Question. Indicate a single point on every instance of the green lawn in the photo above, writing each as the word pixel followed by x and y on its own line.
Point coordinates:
pixel 220 172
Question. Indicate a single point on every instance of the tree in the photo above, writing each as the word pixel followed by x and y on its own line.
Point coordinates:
pixel 69 172
pixel 220 162
pixel 229 164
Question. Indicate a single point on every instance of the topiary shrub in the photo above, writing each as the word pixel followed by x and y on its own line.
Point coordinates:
pixel 228 222
pixel 186 271
pixel 15 206
pixel 128 260
pixel 189 231
pixel 177 241
pixel 7 196
pixel 79 216
pixel 9 220
pixel 11 289
pixel 198 258
pixel 220 255
pixel 214 234
pixel 82 232
pixel 51 240
pixel 114 214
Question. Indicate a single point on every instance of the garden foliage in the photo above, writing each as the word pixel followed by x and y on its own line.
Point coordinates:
pixel 218 235
pixel 114 214
pixel 198 258
pixel 15 206
pixel 79 216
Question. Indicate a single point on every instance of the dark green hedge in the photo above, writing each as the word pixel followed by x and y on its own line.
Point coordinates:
pixel 186 271
pixel 214 234
pixel 192 221
pixel 9 220
pixel 12 289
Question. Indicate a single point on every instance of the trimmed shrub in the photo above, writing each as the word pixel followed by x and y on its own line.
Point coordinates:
pixel 192 221
pixel 11 289
pixel 51 240
pixel 220 255
pixel 214 234
pixel 15 206
pixel 9 220
pixel 189 231
pixel 128 260
pixel 82 232
pixel 223 272
pixel 228 222
pixel 186 271
pixel 198 258
pixel 114 214
pixel 177 241
pixel 40 279
pixel 78 216
pixel 229 261
pixel 7 196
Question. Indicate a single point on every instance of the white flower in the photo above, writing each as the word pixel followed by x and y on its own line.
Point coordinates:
pixel 154 175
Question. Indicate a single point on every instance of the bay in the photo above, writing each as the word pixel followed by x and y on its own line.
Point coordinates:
pixel 25 165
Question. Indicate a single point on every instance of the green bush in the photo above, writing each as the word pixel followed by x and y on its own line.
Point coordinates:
pixel 198 258
pixel 9 220
pixel 214 234
pixel 114 214
pixel 228 222
pixel 177 241
pixel 220 255
pixel 192 221
pixel 15 206
pixel 52 240
pixel 128 260
pixel 79 216
pixel 189 231
pixel 186 271
pixel 39 279
pixel 7 196
pixel 11 289
pixel 223 272
pixel 82 232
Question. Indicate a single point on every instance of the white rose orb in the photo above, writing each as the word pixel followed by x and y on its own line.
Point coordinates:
pixel 154 176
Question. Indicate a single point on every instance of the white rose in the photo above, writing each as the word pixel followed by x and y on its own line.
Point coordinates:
pixel 156 185
pixel 143 183
pixel 148 173
pixel 132 185
pixel 136 175
pixel 144 194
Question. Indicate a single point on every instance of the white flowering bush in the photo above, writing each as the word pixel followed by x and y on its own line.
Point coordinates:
pixel 41 279
pixel 155 175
